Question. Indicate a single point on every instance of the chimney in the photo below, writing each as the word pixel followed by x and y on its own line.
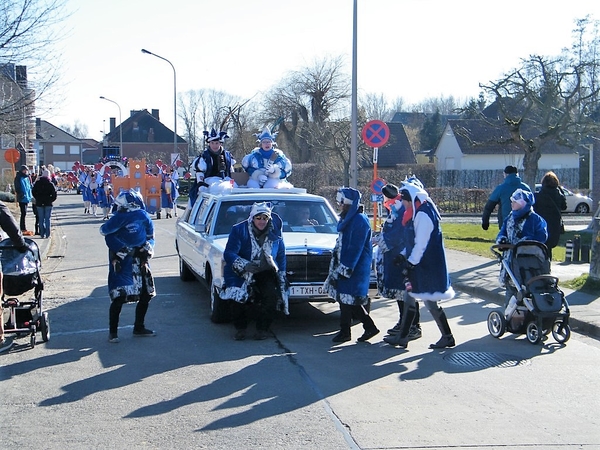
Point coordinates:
pixel 155 114
pixel 113 124
pixel 21 72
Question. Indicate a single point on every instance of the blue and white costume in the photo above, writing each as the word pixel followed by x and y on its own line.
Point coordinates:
pixel 350 267
pixel 267 166
pixel 129 235
pixel 244 247
pixel 213 167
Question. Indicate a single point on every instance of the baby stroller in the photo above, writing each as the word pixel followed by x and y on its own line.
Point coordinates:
pixel 537 306
pixel 20 274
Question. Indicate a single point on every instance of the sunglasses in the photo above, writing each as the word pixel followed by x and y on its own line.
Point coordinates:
pixel 261 217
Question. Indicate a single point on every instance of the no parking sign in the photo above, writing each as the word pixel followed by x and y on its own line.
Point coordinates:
pixel 375 133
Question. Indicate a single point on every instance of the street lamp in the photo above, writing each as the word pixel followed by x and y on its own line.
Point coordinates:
pixel 174 97
pixel 120 126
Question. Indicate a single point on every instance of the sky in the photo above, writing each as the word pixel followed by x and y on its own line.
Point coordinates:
pixel 413 49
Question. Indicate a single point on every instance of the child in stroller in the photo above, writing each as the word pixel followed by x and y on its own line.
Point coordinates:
pixel 536 304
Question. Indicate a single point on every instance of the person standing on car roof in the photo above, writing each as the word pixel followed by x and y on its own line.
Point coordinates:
pixel 254 274
pixel 10 227
pixel 501 196
pixel 214 165
pixel 267 166
pixel 350 267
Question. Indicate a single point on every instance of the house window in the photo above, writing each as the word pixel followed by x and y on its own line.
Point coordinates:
pixel 73 149
pixel 58 149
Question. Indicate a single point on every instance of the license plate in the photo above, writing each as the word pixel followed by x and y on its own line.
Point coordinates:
pixel 307 291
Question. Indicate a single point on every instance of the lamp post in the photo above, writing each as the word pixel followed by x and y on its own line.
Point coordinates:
pixel 354 117
pixel 148 52
pixel 120 127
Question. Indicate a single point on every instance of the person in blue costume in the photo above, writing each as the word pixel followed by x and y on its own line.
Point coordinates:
pixel 522 224
pixel 106 198
pixel 267 166
pixel 390 244
pixel 213 166
pixel 168 190
pixel 254 274
pixel 350 267
pixel 129 236
pixel 426 266
pixel 501 196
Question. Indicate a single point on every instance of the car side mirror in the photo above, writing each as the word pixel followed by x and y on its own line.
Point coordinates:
pixel 200 228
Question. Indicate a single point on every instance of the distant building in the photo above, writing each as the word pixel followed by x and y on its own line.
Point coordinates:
pixel 144 136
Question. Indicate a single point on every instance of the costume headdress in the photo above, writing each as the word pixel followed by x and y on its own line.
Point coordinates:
pixel 213 135
pixel 266 134
pixel 260 208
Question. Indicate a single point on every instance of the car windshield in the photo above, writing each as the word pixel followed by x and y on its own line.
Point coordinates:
pixel 299 216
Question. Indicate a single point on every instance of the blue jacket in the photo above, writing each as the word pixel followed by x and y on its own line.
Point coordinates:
pixel 391 242
pixel 242 247
pixel 128 232
pixel 501 195
pixel 350 267
pixel 425 250
pixel 23 188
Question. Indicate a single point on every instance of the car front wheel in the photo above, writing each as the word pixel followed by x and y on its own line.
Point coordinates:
pixel 582 208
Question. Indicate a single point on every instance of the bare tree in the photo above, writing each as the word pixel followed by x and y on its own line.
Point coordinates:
pixel 29 32
pixel 378 107
pixel 544 101
pixel 78 130
pixel 206 109
pixel 304 101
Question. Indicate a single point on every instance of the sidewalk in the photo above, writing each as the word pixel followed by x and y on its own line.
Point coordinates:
pixel 478 276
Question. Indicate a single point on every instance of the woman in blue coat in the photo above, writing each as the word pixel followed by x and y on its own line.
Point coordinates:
pixel 254 272
pixel 350 267
pixel 129 235
pixel 426 266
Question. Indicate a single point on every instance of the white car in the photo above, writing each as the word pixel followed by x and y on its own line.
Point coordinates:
pixel 576 203
pixel 202 232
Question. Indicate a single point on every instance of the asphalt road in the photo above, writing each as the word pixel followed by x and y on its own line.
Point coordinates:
pixel 193 386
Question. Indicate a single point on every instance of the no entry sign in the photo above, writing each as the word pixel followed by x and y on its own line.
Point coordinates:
pixel 375 133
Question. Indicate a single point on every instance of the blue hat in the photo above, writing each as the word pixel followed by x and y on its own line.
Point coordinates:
pixel 214 136
pixel 266 134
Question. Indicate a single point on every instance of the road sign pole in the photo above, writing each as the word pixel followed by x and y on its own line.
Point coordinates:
pixel 375 155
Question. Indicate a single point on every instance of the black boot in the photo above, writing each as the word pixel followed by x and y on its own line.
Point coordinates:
pixel 113 321
pixel 343 335
pixel 401 339
pixel 447 340
pixel 396 328
pixel 139 328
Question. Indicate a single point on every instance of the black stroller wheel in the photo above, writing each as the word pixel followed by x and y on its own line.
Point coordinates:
pixel 496 324
pixel 45 327
pixel 561 332
pixel 534 333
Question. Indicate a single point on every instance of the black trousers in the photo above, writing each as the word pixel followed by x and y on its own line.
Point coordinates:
pixel 23 208
pixel 262 304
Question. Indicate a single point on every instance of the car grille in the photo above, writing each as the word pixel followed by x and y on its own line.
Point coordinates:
pixel 307 268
